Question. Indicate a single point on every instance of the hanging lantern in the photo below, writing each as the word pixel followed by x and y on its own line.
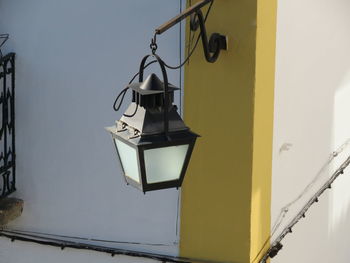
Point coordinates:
pixel 153 144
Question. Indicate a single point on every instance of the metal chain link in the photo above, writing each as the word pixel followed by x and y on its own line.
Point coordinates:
pixel 153 46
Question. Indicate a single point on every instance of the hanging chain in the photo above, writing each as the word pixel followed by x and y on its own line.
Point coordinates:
pixel 153 44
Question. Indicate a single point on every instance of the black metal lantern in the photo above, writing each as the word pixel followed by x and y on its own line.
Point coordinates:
pixel 153 143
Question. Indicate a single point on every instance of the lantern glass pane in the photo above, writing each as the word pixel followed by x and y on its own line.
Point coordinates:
pixel 165 164
pixel 129 160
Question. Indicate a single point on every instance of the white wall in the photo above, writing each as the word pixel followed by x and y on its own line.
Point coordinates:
pixel 312 115
pixel 73 57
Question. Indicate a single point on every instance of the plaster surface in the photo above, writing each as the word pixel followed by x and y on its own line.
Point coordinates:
pixel 73 58
pixel 311 120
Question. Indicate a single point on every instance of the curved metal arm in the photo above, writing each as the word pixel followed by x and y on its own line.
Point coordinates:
pixel 216 41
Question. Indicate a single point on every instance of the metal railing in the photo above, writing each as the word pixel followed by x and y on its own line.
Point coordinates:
pixel 7 130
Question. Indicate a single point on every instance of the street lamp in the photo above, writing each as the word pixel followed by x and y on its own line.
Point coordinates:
pixel 153 143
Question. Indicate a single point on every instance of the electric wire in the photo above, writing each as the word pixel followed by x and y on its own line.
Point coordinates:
pixel 78 245
pixel 42 234
pixel 180 58
pixel 180 84
pixel 55 242
pixel 285 209
pixel 301 214
pixel 188 57
pixel 195 45
pixel 178 217
pixel 190 39
pixel 123 92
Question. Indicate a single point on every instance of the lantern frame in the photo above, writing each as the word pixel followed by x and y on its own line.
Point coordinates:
pixel 155 142
pixel 169 130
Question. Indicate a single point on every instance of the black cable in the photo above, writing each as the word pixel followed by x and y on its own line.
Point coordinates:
pixel 109 250
pixel 135 111
pixel 180 57
pixel 190 37
pixel 122 94
pixel 188 57
pixel 180 82
pixel 53 236
pixel 195 45
pixel 138 73
pixel 124 91
pixel 77 245
pixel 276 244
pixel 262 249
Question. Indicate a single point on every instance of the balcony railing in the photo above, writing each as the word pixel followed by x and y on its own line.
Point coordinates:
pixel 7 130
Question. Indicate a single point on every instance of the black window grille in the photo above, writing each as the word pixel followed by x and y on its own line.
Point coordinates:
pixel 7 130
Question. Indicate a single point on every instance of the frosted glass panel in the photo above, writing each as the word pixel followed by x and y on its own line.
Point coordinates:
pixel 128 156
pixel 165 164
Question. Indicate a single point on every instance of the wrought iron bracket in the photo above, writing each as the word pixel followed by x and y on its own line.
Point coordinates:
pixel 216 43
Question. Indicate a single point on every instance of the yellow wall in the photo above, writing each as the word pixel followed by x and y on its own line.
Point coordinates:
pixel 263 125
pixel 226 193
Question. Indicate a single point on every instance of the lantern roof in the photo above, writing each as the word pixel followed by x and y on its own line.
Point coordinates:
pixel 151 85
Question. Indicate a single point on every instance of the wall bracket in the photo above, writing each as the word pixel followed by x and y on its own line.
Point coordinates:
pixel 216 43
